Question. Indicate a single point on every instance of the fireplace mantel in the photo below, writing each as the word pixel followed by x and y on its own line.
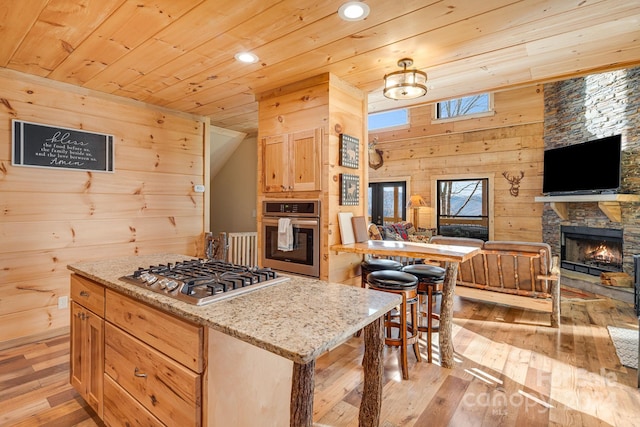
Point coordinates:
pixel 609 204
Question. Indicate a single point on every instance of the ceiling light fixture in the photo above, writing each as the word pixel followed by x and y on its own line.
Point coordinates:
pixel 246 57
pixel 405 84
pixel 353 11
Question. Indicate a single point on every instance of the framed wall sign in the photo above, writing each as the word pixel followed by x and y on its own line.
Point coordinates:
pixel 349 190
pixel 349 151
pixel 51 146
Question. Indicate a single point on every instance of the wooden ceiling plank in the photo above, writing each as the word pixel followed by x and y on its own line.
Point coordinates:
pixel 60 28
pixel 129 26
pixel 308 55
pixel 278 21
pixel 15 23
pixel 197 27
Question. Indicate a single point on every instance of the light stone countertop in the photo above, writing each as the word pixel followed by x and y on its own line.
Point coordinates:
pixel 298 319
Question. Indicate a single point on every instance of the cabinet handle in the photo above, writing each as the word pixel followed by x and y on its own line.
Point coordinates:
pixel 84 293
pixel 82 316
pixel 139 374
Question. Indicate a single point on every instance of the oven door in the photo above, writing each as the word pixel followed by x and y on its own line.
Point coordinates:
pixel 305 256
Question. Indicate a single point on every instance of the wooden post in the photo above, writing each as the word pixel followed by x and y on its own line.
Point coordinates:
pixel 373 369
pixel 446 315
pixel 302 385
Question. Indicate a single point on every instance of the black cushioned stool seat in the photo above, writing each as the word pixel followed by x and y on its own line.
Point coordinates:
pixel 406 285
pixel 430 279
pixel 377 264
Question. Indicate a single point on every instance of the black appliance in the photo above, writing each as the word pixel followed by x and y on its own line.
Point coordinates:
pixel 586 168
pixel 200 281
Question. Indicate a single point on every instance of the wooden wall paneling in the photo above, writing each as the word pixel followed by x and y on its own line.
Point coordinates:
pixel 27 236
pixel 53 217
pixel 348 109
pixel 18 206
pixel 45 95
pixel 504 142
pixel 25 179
pixel 36 265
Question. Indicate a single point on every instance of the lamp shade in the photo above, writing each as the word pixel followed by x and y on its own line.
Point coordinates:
pixel 405 84
pixel 416 201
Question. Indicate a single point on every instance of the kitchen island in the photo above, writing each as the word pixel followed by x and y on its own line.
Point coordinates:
pixel 258 349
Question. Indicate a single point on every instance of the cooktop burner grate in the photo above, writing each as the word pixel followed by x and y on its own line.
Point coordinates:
pixel 199 281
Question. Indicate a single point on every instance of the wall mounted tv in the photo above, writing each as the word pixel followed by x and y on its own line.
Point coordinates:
pixel 591 167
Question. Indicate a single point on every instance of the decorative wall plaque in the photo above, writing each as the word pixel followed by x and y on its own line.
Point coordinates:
pixel 349 190
pixel 349 151
pixel 51 146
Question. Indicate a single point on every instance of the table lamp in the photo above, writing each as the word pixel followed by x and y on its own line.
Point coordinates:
pixel 416 202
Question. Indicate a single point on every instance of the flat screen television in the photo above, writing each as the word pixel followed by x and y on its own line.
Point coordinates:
pixel 587 168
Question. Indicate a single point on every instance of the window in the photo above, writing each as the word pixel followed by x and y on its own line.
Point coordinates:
pixel 387 201
pixel 388 119
pixel 463 208
pixel 466 106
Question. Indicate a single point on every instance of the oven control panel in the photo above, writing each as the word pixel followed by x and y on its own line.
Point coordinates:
pixel 299 208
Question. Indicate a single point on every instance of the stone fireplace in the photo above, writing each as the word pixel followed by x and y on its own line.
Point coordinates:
pixel 579 110
pixel 590 250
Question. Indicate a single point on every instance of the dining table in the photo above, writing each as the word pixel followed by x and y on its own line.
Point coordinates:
pixel 451 256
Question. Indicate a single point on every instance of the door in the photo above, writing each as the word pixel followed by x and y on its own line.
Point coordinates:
pixel 387 202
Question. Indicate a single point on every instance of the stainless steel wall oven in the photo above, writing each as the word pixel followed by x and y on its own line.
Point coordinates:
pixel 304 219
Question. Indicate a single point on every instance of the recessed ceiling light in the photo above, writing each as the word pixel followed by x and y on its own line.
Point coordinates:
pixel 353 11
pixel 246 57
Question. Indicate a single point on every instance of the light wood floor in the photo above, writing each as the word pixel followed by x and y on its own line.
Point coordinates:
pixel 511 370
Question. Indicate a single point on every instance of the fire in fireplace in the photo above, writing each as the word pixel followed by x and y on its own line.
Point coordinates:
pixel 591 250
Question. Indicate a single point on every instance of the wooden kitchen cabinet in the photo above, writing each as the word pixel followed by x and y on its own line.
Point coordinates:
pixel 135 365
pixel 153 360
pixel 292 162
pixel 87 341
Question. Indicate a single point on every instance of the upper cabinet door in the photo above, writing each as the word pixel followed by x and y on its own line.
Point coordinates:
pixel 292 162
pixel 276 162
pixel 306 157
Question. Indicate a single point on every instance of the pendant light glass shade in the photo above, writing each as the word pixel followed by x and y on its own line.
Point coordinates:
pixel 405 84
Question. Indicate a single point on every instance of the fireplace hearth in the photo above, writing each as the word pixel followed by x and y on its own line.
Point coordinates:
pixel 591 250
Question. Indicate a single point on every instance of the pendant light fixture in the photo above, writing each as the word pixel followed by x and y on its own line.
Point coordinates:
pixel 405 84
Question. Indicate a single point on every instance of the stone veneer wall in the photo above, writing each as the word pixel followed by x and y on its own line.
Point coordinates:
pixel 586 108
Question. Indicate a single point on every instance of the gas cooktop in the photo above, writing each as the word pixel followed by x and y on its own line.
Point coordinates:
pixel 200 281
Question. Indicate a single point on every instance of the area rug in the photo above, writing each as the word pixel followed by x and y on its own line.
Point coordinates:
pixel 626 344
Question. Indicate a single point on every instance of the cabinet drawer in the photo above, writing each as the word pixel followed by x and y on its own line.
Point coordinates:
pixel 166 388
pixel 88 294
pixel 178 339
pixel 122 410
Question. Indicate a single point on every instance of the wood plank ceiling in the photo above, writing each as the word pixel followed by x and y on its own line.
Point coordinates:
pixel 180 53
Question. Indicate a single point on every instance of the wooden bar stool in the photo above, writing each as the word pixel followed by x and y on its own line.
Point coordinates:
pixel 376 264
pixel 430 279
pixel 406 285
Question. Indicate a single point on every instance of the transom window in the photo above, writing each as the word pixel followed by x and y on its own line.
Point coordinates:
pixel 465 106
pixel 388 119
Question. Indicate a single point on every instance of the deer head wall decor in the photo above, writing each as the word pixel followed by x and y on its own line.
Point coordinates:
pixel 514 181
pixel 375 155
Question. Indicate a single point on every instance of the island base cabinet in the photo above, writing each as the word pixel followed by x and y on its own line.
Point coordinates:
pixel 168 389
pixel 86 355
pixel 119 406
pixel 248 386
